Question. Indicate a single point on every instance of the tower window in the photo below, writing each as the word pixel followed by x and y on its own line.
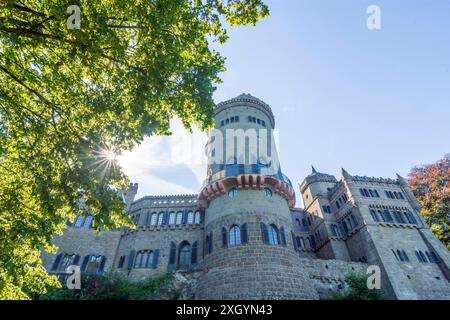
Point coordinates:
pixel 190 217
pixel 232 192
pixel 235 236
pixel 273 235
pixel 268 192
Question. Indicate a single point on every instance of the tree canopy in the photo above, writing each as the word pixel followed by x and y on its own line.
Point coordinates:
pixel 71 97
pixel 430 184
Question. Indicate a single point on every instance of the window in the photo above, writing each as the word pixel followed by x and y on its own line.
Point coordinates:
pixel 227 121
pixel 197 218
pixel 300 242
pixel 190 217
pixel 67 260
pixel 232 119
pixel 172 218
pixel 374 215
pixel 161 218
pixel 326 209
pixel 88 221
pixel 179 217
pixel 136 219
pixel 184 259
pixel 232 192
pixel 273 234
pixel 263 123
pixel 268 192
pixel 335 230
pixel 79 221
pixel 395 255
pixel 387 215
pixel 235 236
pixel 398 217
pixel 154 219
pixel 121 262
pixel 249 119
pixel 236 118
pixel 144 259
pixel 93 264
pixel 222 123
pixel 410 217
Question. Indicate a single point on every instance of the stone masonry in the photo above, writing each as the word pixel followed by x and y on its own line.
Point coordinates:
pixel 243 237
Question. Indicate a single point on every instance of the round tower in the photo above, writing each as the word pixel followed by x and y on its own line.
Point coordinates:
pixel 248 248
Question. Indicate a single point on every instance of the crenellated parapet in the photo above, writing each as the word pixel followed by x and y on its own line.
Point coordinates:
pixel 245 182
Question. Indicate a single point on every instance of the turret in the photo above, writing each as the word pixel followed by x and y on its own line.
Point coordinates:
pixel 247 199
pixel 128 194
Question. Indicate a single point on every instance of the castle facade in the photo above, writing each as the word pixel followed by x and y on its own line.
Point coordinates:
pixel 248 240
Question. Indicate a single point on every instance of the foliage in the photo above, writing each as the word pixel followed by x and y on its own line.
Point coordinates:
pixel 358 289
pixel 70 97
pixel 430 184
pixel 115 286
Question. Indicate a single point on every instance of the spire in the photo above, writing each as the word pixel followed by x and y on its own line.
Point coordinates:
pixel 313 169
pixel 345 174
pixel 400 179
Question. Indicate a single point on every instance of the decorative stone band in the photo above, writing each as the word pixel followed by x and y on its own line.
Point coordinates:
pixel 245 181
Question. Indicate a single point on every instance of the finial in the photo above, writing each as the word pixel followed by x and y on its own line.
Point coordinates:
pixel 313 169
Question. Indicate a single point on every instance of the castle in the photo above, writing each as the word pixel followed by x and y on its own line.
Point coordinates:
pixel 247 239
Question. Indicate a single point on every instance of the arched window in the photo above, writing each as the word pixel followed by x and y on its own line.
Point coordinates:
pixel 154 219
pixel 190 217
pixel 179 217
pixel 232 192
pixel 161 218
pixel 172 218
pixel 235 236
pixel 268 192
pixel 197 218
pixel 273 234
pixel 184 256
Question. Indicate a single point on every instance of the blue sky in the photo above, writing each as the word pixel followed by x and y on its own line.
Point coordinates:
pixel 374 102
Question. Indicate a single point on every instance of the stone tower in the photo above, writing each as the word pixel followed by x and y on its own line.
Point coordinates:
pixel 248 248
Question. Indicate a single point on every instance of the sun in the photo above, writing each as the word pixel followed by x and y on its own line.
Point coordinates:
pixel 110 155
